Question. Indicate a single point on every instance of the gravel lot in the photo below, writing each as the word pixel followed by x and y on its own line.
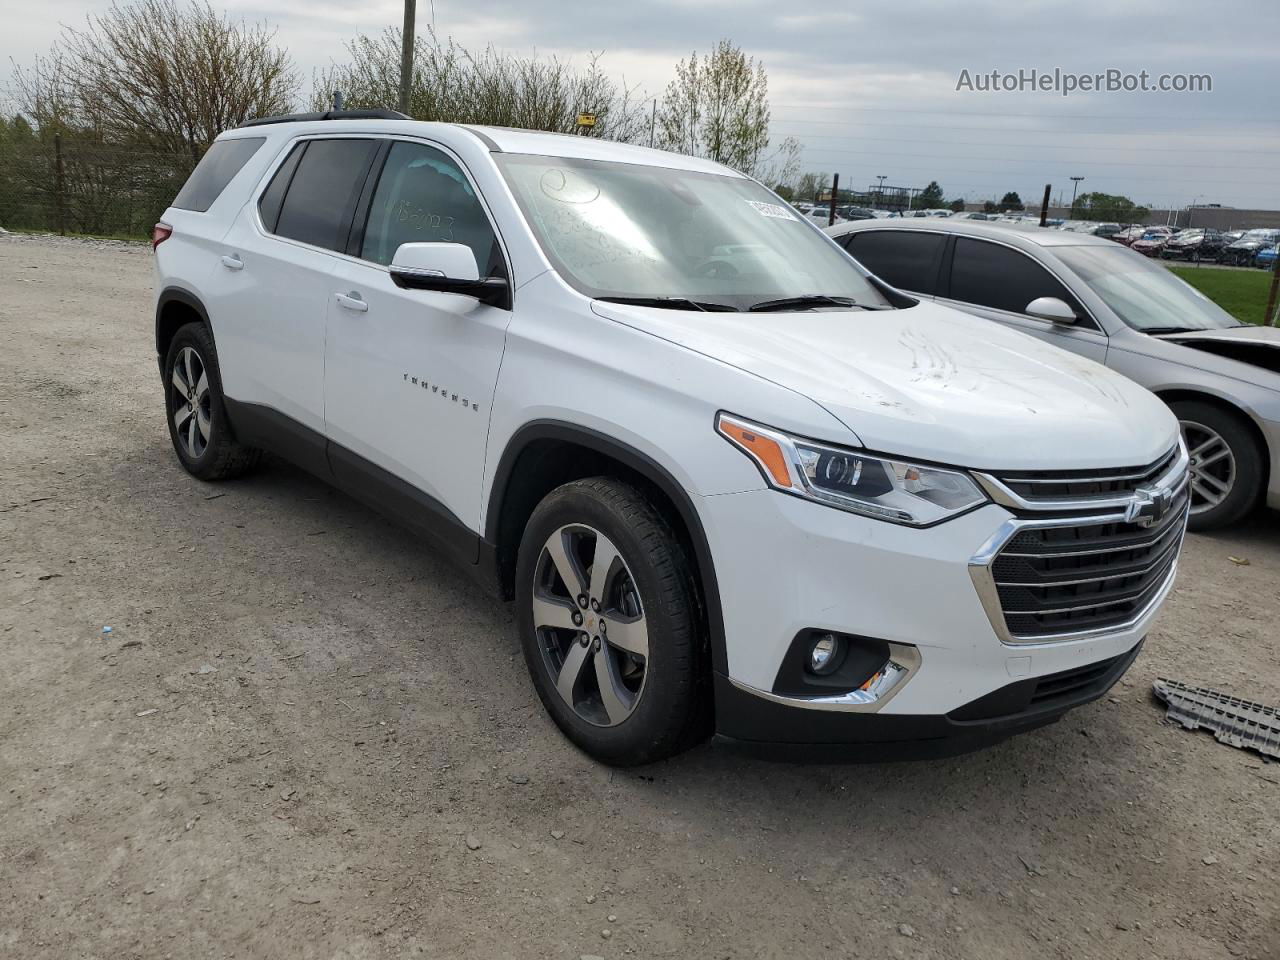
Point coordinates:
pixel 302 723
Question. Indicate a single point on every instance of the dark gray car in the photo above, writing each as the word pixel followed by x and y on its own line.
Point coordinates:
pixel 1103 301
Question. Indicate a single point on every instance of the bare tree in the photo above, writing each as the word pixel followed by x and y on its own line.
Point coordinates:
pixel 718 107
pixel 451 83
pixel 159 74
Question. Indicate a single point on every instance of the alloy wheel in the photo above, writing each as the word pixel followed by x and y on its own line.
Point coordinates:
pixel 190 402
pixel 591 628
pixel 1213 466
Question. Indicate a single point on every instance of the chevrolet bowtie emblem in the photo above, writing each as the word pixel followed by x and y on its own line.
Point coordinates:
pixel 1148 506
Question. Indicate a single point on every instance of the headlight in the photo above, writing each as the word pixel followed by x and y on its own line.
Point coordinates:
pixel 894 490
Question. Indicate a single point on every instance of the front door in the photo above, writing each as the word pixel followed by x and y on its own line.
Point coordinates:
pixel 410 374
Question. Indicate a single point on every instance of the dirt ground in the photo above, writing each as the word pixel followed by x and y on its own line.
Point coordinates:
pixel 301 722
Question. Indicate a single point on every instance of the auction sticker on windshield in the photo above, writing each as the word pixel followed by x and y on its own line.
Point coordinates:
pixel 770 209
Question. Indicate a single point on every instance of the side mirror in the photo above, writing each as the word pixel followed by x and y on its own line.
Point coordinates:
pixel 446 268
pixel 1052 309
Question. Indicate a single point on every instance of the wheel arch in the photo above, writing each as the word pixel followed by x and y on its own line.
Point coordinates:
pixel 176 307
pixel 545 454
pixel 1174 395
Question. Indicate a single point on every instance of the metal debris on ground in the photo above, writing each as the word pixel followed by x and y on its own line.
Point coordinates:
pixel 1236 722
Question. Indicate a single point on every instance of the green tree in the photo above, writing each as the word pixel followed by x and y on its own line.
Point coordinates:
pixel 718 107
pixel 1011 201
pixel 988 206
pixel 1108 207
pixel 810 185
pixel 957 205
pixel 930 198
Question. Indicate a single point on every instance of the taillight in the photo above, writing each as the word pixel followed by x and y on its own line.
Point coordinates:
pixel 160 233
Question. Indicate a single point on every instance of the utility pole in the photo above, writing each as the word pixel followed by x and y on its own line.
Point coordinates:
pixel 1075 183
pixel 406 53
pixel 653 120
pixel 835 188
pixel 1044 206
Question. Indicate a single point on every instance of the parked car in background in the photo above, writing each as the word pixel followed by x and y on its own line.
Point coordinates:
pixel 1242 252
pixel 855 213
pixel 1129 234
pixel 709 472
pixel 1152 241
pixel 1194 243
pixel 1266 257
pixel 1089 296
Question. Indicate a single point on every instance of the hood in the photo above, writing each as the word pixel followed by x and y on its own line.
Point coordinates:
pixel 1256 346
pixel 932 383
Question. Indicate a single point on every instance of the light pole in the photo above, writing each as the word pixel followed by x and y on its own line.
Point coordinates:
pixel 880 191
pixel 1192 207
pixel 1075 184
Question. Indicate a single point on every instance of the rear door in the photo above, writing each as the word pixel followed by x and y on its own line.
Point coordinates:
pixel 997 281
pixel 410 374
pixel 907 259
pixel 276 264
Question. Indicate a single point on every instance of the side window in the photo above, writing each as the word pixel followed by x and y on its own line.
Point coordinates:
pixel 272 198
pixel 989 275
pixel 423 197
pixel 322 194
pixel 905 259
pixel 220 163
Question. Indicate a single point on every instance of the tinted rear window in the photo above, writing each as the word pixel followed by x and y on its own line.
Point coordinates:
pixel 322 194
pixel 906 259
pixel 214 171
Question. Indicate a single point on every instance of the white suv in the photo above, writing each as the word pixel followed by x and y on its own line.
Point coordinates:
pixel 731 481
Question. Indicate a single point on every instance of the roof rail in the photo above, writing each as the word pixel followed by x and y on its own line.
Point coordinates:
pixel 328 115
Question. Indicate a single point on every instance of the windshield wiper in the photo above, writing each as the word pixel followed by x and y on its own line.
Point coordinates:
pixel 808 300
pixel 673 303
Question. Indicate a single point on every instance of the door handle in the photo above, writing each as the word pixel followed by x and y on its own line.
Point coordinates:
pixel 351 301
pixel 233 262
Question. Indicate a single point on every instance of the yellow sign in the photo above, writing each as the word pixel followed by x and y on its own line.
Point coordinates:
pixel 586 119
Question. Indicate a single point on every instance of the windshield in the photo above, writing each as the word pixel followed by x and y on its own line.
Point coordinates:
pixel 632 231
pixel 1144 294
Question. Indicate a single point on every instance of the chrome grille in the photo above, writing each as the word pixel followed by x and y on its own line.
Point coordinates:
pixel 1034 490
pixel 1086 552
pixel 1085 577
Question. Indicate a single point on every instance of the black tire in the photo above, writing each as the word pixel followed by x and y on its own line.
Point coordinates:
pixel 217 456
pixel 1250 464
pixel 672 710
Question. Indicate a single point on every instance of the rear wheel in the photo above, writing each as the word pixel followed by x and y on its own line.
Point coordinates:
pixel 197 417
pixel 608 623
pixel 1226 464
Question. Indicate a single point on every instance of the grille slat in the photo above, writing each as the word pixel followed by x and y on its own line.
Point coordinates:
pixel 1070 576
pixel 1086 484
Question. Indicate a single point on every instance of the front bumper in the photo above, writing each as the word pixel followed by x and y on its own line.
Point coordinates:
pixel 778 731
pixel 786 565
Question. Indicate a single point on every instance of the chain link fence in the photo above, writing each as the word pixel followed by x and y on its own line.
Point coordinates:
pixel 66 185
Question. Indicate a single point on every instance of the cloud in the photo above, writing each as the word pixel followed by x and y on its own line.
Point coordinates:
pixel 871 90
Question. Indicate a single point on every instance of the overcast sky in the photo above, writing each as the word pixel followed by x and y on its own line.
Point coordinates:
pixel 870 88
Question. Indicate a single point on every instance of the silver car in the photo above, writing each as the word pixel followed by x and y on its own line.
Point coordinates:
pixel 1103 301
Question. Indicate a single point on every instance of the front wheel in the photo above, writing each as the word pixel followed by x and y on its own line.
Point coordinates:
pixel 608 623
pixel 1226 464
